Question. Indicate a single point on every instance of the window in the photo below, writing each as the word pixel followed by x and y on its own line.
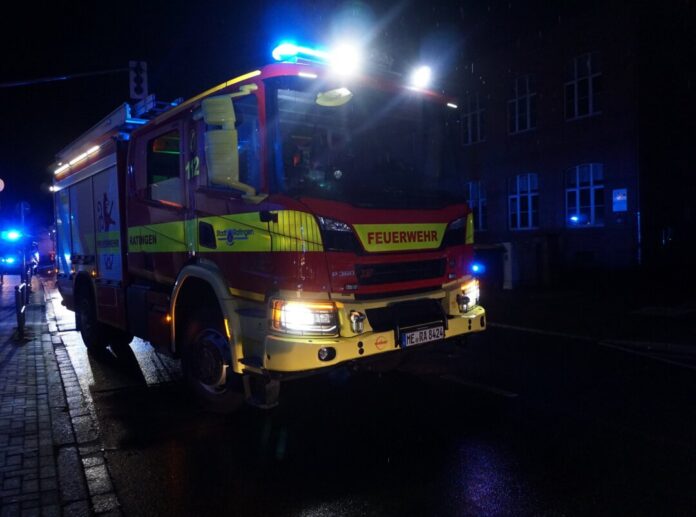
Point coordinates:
pixel 522 105
pixel 476 199
pixel 523 202
pixel 163 179
pixel 472 120
pixel 585 195
pixel 246 113
pixel 583 87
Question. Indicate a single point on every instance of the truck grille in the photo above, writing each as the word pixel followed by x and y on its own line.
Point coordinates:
pixel 374 274
pixel 406 314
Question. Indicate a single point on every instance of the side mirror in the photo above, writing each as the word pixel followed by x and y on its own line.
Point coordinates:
pixel 221 153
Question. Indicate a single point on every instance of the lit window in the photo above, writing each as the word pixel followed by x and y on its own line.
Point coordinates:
pixel 522 105
pixel 585 195
pixel 476 199
pixel 523 202
pixel 472 119
pixel 583 88
pixel 163 168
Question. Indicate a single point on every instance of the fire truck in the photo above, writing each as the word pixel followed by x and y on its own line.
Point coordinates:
pixel 295 218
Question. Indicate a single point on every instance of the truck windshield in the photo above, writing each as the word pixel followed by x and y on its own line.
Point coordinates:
pixel 363 146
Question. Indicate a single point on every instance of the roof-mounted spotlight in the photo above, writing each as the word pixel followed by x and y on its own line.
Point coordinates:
pixel 421 77
pixel 345 59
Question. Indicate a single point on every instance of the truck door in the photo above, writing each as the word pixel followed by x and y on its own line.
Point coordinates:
pixel 157 205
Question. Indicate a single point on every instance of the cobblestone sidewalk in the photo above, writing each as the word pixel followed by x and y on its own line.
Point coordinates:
pixel 43 460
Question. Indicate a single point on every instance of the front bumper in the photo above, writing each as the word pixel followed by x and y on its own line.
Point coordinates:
pixel 296 354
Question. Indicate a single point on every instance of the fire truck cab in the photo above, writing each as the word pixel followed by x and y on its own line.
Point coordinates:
pixel 288 220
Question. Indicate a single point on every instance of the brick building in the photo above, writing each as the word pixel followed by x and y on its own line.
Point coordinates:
pixel 574 134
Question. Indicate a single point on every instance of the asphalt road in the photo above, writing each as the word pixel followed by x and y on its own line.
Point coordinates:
pixel 516 423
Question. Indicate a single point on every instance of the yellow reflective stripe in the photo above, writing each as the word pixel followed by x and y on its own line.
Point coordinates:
pixel 295 231
pixel 238 232
pixel 257 297
pixel 469 229
pixel 395 237
pixel 162 237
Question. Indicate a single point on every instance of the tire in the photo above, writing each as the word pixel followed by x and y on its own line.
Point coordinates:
pixel 95 334
pixel 205 357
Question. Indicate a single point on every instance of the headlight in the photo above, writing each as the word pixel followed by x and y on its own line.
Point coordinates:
pixel 300 318
pixel 469 297
pixel 337 236
pixel 332 225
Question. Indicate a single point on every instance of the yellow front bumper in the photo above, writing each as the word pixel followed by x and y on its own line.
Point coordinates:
pixel 296 354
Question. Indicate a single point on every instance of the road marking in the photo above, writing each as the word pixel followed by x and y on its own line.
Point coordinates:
pixel 482 387
pixel 624 346
pixel 541 331
pixel 652 356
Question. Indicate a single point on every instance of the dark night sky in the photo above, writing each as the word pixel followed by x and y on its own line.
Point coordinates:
pixel 189 46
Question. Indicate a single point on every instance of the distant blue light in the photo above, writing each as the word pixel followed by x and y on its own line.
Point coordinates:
pixel 10 260
pixel 574 219
pixel 11 235
pixel 478 268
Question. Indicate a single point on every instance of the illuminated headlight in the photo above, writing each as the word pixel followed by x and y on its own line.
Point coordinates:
pixel 301 318
pixel 469 297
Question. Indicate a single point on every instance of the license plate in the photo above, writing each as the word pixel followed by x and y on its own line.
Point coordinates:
pixel 425 335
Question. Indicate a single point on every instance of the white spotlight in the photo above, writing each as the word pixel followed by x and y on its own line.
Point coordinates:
pixel 421 76
pixel 345 59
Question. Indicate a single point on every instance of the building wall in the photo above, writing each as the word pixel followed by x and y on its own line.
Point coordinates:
pixel 544 49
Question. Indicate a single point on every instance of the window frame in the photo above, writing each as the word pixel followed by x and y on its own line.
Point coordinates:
pixel 261 186
pixel 593 186
pixel 592 74
pixel 477 204
pixel 526 99
pixel 517 194
pixel 472 108
pixel 143 190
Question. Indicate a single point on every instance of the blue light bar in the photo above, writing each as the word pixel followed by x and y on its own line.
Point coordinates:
pixel 290 52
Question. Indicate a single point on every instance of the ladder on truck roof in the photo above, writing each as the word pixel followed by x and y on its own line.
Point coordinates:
pixel 121 121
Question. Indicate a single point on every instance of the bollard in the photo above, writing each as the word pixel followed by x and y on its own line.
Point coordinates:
pixel 20 307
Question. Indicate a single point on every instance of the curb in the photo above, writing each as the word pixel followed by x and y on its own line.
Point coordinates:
pixel 85 481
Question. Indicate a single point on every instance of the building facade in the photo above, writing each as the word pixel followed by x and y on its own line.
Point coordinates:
pixel 554 118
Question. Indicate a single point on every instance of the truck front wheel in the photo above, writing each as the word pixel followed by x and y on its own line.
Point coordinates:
pixel 206 360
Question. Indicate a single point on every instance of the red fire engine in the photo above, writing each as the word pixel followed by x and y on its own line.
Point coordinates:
pixel 283 222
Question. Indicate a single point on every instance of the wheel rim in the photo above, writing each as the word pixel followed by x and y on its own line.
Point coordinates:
pixel 208 365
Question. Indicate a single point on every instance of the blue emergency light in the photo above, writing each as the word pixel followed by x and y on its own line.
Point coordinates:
pixel 10 260
pixel 343 59
pixel 478 268
pixel 11 235
pixel 287 51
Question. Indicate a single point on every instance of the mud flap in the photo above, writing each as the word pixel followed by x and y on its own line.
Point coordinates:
pixel 261 392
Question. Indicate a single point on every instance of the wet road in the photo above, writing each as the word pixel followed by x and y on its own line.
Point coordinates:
pixel 514 424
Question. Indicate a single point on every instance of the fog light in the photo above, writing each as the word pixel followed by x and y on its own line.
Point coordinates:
pixel 463 302
pixel 327 353
pixel 357 322
pixel 469 296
